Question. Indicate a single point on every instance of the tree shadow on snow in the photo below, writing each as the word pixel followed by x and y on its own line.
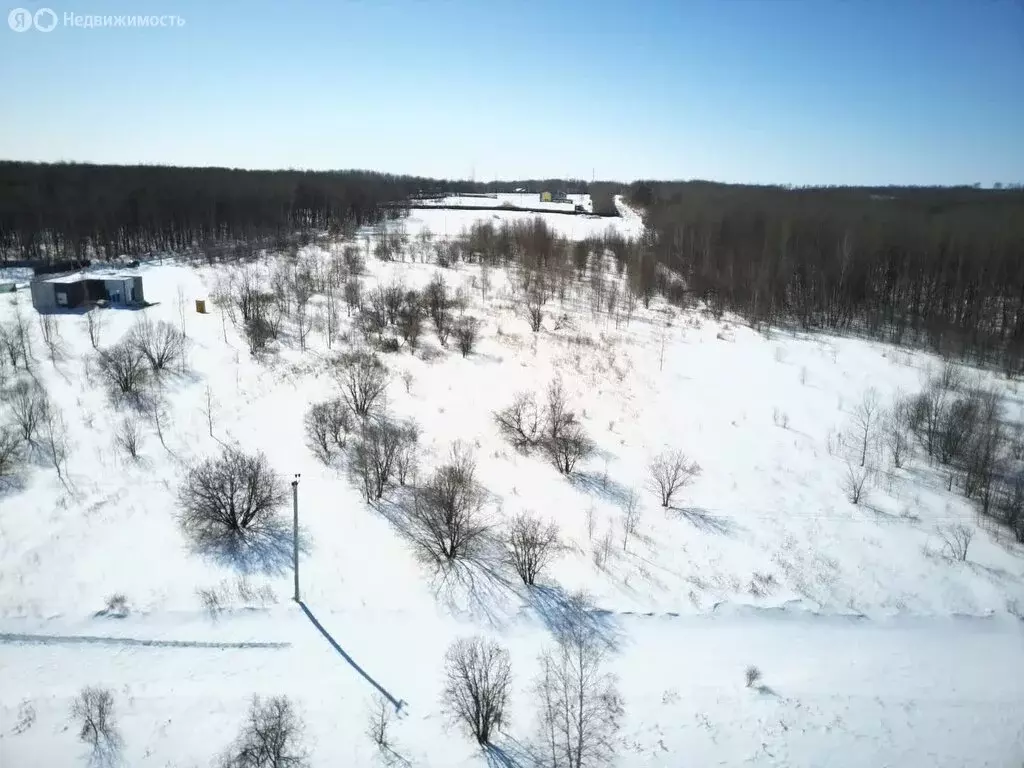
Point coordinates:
pixel 562 612
pixel 267 551
pixel 511 753
pixel 708 522
pixel 595 484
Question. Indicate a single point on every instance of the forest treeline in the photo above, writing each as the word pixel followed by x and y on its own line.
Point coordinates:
pixel 938 266
pixel 69 210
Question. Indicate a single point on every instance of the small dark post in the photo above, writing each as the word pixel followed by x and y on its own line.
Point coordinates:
pixel 295 532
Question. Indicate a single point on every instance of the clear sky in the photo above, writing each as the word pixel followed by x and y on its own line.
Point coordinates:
pixel 790 91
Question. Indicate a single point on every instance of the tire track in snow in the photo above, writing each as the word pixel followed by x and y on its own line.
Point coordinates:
pixel 23 639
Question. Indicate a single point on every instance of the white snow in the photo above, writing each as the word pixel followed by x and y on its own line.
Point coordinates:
pixel 875 649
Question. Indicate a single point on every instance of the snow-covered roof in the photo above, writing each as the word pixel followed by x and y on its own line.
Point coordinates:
pixel 75 277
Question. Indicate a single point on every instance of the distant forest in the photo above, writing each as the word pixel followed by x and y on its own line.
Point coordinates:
pixel 942 266
pixel 73 211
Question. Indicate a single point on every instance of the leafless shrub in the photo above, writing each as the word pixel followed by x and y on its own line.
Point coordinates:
pixel 231 496
pixel 669 472
pixel 448 514
pixel 26 717
pixel 580 709
pixel 466 329
pixel 478 681
pixel 780 418
pixel 212 602
pixel 407 379
pixel 116 605
pixel 854 482
pixel 752 676
pixel 93 714
pixel 271 737
pixel 602 550
pixel 128 437
pixel 28 406
pixel 123 367
pixel 12 454
pixel 328 425
pixel 529 546
pixel 956 541
pixel 520 422
pixel 160 343
pixel 363 379
pixel 374 456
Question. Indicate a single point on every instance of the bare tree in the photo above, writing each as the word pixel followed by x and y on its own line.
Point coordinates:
pixel 407 458
pixel 448 511
pixel 353 294
pixel 123 367
pixel 328 425
pixel 374 456
pixel 208 409
pixel 51 336
pixel 956 541
pixel 28 406
pixel 12 454
pixel 897 431
pixel 854 482
pixel 529 546
pixel 128 437
pixel 160 343
pixel 93 714
pixel 94 321
pixel 271 737
pixel 580 706
pixel 410 319
pixel 630 516
pixel 866 418
pixel 466 330
pixel 11 342
pixel 568 447
pixel 439 305
pixel 303 322
pixel 535 299
pixel 669 472
pixel 478 681
pixel 363 379
pixel 520 422
pixel 181 303
pixel 231 496
pixel 378 723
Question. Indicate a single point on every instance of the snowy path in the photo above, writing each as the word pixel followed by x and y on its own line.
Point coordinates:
pixel 909 692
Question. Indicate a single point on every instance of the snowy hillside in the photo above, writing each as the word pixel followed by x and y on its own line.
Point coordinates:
pixel 876 647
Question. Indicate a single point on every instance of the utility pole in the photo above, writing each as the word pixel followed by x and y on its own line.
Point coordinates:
pixel 295 532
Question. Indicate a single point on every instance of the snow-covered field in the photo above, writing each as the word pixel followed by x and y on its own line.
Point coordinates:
pixel 875 649
pixel 520 199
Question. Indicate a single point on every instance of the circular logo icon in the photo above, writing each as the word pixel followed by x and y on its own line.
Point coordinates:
pixel 45 20
pixel 20 20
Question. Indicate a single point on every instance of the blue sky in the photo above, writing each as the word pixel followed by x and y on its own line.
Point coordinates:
pixel 790 91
